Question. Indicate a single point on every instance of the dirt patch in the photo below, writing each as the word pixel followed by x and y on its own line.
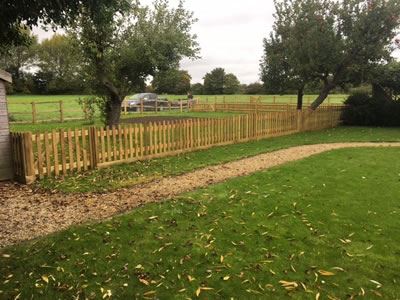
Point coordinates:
pixel 27 214
pixel 153 119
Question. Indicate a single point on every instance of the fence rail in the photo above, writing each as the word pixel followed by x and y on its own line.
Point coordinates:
pixel 63 152
pixel 250 107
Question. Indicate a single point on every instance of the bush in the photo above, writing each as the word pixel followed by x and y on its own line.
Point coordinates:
pixel 365 110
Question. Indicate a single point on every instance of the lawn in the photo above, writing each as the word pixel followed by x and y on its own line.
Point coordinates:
pixel 48 126
pixel 125 175
pixel 325 227
pixel 48 107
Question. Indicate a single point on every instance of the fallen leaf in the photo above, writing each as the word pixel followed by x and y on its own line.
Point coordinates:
pixel 144 281
pixel 326 273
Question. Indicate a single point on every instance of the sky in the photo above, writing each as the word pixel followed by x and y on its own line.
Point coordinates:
pixel 230 34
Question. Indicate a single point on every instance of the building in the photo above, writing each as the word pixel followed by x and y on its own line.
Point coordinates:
pixel 6 171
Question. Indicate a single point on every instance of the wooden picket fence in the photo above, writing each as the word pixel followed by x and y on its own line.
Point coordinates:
pixel 251 107
pixel 62 152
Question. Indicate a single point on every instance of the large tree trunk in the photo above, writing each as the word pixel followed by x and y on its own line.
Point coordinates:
pixel 300 94
pixel 113 110
pixel 322 95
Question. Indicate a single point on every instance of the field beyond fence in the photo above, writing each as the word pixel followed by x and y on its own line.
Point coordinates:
pixel 66 151
pixel 31 109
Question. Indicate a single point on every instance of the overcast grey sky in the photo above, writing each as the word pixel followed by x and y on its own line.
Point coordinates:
pixel 230 34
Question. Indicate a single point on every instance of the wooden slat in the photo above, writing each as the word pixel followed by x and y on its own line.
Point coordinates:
pixel 77 150
pixel 55 152
pixel 63 154
pixel 39 155
pixel 70 151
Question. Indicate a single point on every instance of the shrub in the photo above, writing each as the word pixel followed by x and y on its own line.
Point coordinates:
pixel 365 110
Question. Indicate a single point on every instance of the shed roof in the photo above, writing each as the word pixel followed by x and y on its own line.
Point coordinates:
pixel 5 76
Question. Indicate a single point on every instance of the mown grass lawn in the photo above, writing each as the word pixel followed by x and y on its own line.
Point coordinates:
pixel 48 107
pixel 328 225
pixel 125 175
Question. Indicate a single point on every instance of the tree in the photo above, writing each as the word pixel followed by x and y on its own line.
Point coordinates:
pixel 295 51
pixel 60 65
pixel 231 84
pixel 217 82
pixel 123 43
pixel 197 89
pixel 15 59
pixel 255 88
pixel 15 15
pixel 172 81
pixel 214 82
pixel 356 32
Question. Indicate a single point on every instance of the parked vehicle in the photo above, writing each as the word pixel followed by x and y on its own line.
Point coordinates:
pixel 148 100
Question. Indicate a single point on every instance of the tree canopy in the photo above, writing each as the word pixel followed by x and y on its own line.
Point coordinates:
pixel 218 82
pixel 124 43
pixel 172 81
pixel 331 42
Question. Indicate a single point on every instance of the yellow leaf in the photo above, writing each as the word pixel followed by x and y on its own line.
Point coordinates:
pixel 289 285
pixel 222 259
pixel 326 273
pixel 317 296
pixel 198 291
pixel 149 293
pixel 226 278
pixel 190 278
pixel 45 278
pixel 144 281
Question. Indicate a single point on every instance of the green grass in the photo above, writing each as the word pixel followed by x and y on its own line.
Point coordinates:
pixel 48 126
pixel 143 171
pixel 20 106
pixel 337 212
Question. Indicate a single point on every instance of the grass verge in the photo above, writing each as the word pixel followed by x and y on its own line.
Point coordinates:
pixel 327 225
pixel 125 175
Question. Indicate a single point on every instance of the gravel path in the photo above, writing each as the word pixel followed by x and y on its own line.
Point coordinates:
pixel 26 214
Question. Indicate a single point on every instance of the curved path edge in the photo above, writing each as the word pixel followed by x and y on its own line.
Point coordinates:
pixel 26 214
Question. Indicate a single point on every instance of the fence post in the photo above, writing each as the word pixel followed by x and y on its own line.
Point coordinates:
pixel 93 154
pixel 299 121
pixel 33 113
pixel 125 107
pixel 156 105
pixel 141 106
pixel 181 105
pixel 27 158
pixel 85 109
pixel 61 111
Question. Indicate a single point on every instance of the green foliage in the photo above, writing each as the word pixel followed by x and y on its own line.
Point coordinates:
pixel 358 34
pixel 89 105
pixel 214 82
pixel 15 13
pixel 255 88
pixel 121 50
pixel 218 82
pixel 365 110
pixel 172 81
pixel 197 89
pixel 16 59
pixel 239 239
pixel 388 77
pixel 231 84
pixel 61 70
